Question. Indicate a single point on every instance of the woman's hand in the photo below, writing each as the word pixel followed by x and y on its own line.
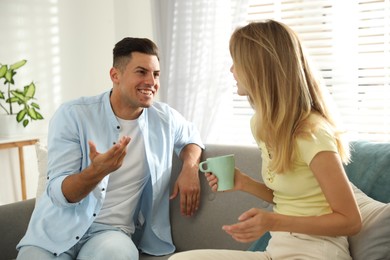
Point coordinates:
pixel 239 178
pixel 251 226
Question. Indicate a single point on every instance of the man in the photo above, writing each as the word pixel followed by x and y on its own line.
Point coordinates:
pixel 109 165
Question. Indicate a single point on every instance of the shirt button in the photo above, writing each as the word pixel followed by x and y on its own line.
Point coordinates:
pixel 118 127
pixel 94 214
pixel 55 254
pixel 77 237
pixel 103 189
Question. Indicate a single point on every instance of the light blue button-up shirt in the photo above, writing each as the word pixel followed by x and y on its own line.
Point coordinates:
pixel 56 225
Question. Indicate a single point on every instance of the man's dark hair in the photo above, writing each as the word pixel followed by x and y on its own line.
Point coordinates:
pixel 124 48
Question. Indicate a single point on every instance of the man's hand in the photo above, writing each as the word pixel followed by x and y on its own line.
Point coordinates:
pixel 189 187
pixel 111 160
pixel 75 187
pixel 188 183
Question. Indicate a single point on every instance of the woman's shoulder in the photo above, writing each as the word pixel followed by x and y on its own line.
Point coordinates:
pixel 316 131
pixel 315 124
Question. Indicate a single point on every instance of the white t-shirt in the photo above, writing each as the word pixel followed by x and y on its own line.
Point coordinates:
pixel 125 185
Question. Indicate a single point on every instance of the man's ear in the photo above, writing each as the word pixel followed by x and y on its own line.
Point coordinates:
pixel 114 75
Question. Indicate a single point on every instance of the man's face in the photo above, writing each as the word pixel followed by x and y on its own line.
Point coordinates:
pixel 136 86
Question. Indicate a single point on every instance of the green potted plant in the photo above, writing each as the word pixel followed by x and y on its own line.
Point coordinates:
pixel 19 102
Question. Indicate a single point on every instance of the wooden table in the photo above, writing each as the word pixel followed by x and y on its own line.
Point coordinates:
pixel 19 142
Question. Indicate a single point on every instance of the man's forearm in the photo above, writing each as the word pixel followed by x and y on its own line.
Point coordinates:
pixel 190 155
pixel 77 186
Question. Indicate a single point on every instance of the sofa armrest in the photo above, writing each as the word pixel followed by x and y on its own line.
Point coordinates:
pixel 14 219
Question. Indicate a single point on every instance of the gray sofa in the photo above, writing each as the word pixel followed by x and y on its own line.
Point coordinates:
pixel 204 229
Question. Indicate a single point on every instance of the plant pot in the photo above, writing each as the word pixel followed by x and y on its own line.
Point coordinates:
pixel 9 127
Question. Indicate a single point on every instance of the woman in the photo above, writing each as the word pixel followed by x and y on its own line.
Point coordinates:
pixel 302 152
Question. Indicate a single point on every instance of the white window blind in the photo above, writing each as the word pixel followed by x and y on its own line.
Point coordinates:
pixel 348 43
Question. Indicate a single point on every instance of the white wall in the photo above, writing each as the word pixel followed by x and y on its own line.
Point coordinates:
pixel 68 45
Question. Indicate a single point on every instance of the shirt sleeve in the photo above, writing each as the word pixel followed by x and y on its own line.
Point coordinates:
pixel 185 132
pixel 64 153
pixel 320 141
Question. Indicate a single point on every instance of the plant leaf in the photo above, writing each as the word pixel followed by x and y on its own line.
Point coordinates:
pixel 8 76
pixel 17 65
pixel 3 70
pixel 19 95
pixel 25 122
pixel 2 95
pixel 39 116
pixel 35 105
pixel 21 115
pixel 29 91
pixel 32 113
pixel 12 100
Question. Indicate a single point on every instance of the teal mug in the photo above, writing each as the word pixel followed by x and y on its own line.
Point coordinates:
pixel 222 167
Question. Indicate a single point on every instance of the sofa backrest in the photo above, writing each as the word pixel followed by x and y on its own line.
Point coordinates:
pixel 369 169
pixel 216 209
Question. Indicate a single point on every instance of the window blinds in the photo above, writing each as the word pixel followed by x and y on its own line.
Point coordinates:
pixel 348 43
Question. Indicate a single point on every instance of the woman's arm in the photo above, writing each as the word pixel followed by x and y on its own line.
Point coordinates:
pixel 243 182
pixel 343 221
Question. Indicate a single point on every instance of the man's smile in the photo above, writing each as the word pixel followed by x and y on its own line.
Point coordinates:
pixel 147 92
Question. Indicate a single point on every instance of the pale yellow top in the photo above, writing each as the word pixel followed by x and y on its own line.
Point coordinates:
pixel 297 192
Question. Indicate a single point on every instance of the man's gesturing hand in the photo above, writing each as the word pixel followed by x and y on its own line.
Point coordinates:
pixel 111 160
pixel 75 187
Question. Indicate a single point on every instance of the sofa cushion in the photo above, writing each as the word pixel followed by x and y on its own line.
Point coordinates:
pixel 260 244
pixel 373 241
pixel 41 151
pixel 369 169
pixel 14 218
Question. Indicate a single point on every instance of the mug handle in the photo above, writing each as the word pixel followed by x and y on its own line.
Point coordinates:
pixel 201 167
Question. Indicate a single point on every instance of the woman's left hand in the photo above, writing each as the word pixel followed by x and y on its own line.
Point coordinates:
pixel 251 226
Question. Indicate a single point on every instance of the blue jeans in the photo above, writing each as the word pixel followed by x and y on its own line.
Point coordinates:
pixel 99 242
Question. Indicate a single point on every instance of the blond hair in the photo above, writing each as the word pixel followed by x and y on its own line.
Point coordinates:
pixel 271 67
